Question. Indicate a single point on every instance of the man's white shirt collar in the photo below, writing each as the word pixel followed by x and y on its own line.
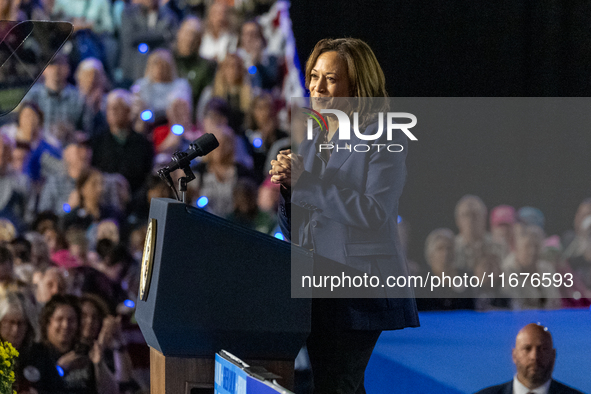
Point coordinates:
pixel 519 388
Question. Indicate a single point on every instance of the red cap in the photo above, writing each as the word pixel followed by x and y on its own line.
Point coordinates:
pixel 503 214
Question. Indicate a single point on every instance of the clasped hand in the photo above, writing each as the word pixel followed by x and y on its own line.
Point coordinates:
pixel 287 169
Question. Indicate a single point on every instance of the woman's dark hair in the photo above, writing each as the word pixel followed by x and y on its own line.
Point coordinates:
pixel 5 255
pixel 259 29
pixel 44 220
pixel 32 105
pixel 50 308
pixel 97 301
pixel 81 181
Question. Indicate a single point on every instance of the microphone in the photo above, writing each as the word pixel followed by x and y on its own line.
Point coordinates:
pixel 200 147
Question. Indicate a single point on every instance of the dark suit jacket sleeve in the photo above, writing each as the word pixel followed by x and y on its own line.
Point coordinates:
pixel 367 206
pixel 284 212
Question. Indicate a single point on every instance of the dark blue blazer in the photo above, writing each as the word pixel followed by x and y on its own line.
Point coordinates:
pixel 507 388
pixel 352 209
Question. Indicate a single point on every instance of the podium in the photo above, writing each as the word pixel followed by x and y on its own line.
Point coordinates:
pixel 209 284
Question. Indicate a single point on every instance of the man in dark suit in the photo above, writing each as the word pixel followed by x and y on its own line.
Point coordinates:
pixel 534 357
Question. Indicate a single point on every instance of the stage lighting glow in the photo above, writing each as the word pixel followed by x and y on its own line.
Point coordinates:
pixel 399 218
pixel 252 70
pixel 60 371
pixel 257 142
pixel 177 129
pixel 202 201
pixel 278 235
pixel 146 115
pixel 143 48
pixel 129 303
pixel 67 208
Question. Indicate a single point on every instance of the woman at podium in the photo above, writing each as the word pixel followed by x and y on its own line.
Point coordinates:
pixel 342 203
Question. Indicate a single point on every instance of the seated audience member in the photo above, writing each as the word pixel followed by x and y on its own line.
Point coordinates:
pixel 98 325
pixel 10 11
pixel 526 260
pixel 502 220
pixel 439 253
pixel 18 325
pixel 123 273
pixel 62 105
pixel 94 15
pixel 57 189
pixel 531 216
pixel 122 150
pixel 232 85
pixel 140 209
pixel 197 70
pixel 92 82
pixel 49 282
pixel 246 211
pixel 580 266
pixel 490 294
pixel 575 240
pixel 264 69
pixel 145 26
pixel 534 356
pixel 41 158
pixel 86 202
pixel 576 294
pixel 14 187
pixel 79 369
pixel 168 138
pixel 218 40
pixel 268 197
pixel 40 256
pixel 8 282
pixel 21 249
pixel 473 241
pixel 161 83
pixel 217 175
pixel 217 118
pixel 263 131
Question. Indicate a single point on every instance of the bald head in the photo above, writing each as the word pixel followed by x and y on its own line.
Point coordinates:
pixel 534 355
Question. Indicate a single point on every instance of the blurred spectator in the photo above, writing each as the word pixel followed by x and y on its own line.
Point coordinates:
pixel 97 325
pixel 489 295
pixel 439 253
pixel 62 105
pixel 531 216
pixel 160 84
pixel 574 240
pixel 190 65
pixel 81 370
pixel 268 196
pixel 55 194
pixel 502 220
pixel 264 69
pixel 218 174
pixel 94 15
pixel 145 26
pixel 232 85
pixel 155 188
pixel 526 259
pixel 122 150
pixel 39 250
pixel 33 10
pixel 42 158
pixel 473 241
pixel 13 186
pixel 18 325
pixel 50 282
pixel 218 40
pixel 263 131
pixel 10 11
pixel 580 266
pixel 246 211
pixel 168 137
pixel 216 119
pixel 575 295
pixel 86 202
pixel 92 82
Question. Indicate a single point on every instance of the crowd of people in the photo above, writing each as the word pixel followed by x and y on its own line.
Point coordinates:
pixel 136 81
pixel 548 272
